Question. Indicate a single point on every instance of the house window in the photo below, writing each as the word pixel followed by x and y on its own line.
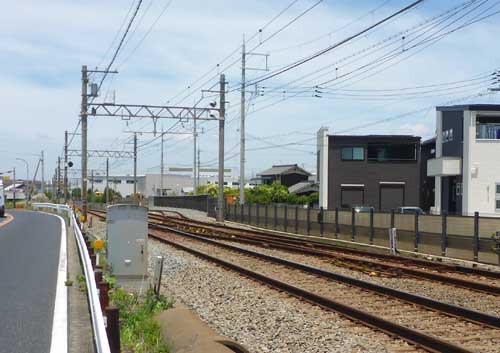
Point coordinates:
pixel 497 197
pixel 391 152
pixel 130 181
pixel 448 135
pixel 488 127
pixel 353 154
pixel 117 181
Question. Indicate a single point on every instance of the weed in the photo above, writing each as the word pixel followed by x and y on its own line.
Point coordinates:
pixel 139 331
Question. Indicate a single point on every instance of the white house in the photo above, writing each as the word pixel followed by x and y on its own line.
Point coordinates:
pixel 467 163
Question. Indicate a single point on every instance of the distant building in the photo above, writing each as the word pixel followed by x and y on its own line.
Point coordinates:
pixel 287 175
pixel 466 167
pixel 380 171
pixel 304 188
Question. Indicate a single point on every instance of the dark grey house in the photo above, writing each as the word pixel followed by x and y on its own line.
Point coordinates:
pixel 287 174
pixel 381 171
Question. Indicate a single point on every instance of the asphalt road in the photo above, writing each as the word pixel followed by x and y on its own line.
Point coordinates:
pixel 29 253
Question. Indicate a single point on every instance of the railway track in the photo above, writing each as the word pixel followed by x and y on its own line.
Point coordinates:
pixel 412 318
pixel 432 325
pixel 464 277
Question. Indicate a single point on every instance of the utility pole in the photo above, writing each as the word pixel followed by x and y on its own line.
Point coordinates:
pixel 107 181
pixel 161 163
pixel 58 177
pixel 43 174
pixel 65 166
pixel 198 169
pixel 242 124
pixel 83 116
pixel 222 113
pixel 135 167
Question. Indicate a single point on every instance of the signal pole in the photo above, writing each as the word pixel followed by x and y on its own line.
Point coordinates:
pixel 65 166
pixel 242 125
pixel 83 116
pixel 222 113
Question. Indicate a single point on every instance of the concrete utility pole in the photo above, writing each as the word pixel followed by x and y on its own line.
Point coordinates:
pixel 107 181
pixel 135 167
pixel 195 136
pixel 83 116
pixel 161 163
pixel 65 166
pixel 43 174
pixel 222 113
pixel 242 125
pixel 198 169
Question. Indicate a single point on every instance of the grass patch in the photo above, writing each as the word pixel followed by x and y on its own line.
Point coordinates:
pixel 139 331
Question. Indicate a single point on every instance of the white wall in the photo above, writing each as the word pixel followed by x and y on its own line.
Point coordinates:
pixel 483 171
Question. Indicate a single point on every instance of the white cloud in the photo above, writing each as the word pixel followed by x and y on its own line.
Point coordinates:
pixel 44 43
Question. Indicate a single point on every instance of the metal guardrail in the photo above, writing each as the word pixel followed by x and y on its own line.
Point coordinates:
pixel 100 336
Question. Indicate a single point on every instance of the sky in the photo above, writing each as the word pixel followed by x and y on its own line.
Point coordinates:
pixel 386 81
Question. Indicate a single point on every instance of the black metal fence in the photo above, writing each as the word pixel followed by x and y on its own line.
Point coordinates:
pixel 465 237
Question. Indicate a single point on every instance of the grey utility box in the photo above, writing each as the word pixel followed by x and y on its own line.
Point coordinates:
pixel 127 240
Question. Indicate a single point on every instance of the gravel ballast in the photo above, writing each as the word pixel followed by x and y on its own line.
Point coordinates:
pixel 260 318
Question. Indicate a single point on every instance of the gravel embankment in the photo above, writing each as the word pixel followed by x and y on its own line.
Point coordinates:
pixel 262 319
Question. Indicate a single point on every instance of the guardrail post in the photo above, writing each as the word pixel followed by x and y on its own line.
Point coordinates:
pixel 444 244
pixel 336 222
pixel 476 236
pixel 286 218
pixel 257 214
pixel 103 295
pixel 296 219
pixel 320 220
pixel 393 211
pixel 417 233
pixel 275 217
pixel 113 329
pixel 353 224
pixel 308 220
pixel 372 230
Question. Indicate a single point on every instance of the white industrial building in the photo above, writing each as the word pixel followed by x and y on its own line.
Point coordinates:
pixel 467 164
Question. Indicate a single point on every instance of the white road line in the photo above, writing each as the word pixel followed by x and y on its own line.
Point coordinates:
pixel 59 341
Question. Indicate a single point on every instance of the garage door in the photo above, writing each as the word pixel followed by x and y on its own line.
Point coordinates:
pixel 391 196
pixel 352 196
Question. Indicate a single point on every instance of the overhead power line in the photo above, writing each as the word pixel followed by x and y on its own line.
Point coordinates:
pixel 328 49
pixel 120 44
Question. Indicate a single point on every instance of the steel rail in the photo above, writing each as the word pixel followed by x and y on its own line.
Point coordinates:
pixel 437 277
pixel 308 247
pixel 270 236
pixel 449 309
pixel 425 341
